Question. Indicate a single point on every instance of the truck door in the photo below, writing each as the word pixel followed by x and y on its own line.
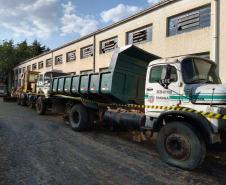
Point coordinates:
pixel 162 82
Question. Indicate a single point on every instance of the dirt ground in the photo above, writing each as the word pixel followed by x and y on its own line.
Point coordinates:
pixel 43 150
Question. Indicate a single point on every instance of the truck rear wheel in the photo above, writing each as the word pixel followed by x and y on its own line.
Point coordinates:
pixel 180 145
pixel 18 101
pixel 78 118
pixel 23 101
pixel 40 106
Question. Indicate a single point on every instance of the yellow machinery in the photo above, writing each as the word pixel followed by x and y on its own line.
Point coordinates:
pixel 28 86
pixel 28 82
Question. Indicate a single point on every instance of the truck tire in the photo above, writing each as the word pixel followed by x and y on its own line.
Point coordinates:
pixel 30 102
pixel 78 118
pixel 23 102
pixel 18 101
pixel 23 99
pixel 180 145
pixel 40 106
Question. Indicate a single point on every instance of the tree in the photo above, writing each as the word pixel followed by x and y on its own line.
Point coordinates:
pixel 37 48
pixel 11 54
pixel 7 56
pixel 22 52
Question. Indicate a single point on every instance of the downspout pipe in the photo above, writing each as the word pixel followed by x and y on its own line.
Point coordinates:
pixel 52 59
pixel 216 32
pixel 94 53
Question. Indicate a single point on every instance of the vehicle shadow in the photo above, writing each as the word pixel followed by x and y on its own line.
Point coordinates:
pixel 214 165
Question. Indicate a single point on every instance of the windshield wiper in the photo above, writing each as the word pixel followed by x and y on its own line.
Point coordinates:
pixel 200 81
pixel 196 81
pixel 208 81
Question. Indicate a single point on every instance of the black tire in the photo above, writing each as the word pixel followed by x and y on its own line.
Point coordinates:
pixel 18 101
pixel 23 102
pixel 40 106
pixel 180 145
pixel 30 103
pixel 78 118
pixel 23 99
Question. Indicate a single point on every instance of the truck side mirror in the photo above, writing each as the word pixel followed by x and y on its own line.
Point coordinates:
pixel 165 78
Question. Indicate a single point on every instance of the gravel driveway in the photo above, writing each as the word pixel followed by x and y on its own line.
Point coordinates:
pixel 43 150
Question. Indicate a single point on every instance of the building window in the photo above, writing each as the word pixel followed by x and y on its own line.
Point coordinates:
pixel 19 71
pixel 189 21
pixel 140 35
pixel 86 72
pixel 24 68
pixel 40 65
pixel 49 62
pixel 87 51
pixel 108 45
pixel 34 67
pixel 71 56
pixel 58 59
pixel 29 68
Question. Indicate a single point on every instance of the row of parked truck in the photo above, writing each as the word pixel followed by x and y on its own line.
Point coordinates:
pixel 181 98
pixel 3 85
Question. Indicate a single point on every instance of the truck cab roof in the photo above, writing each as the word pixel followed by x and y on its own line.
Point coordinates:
pixel 177 59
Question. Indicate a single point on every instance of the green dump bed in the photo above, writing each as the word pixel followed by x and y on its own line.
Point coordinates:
pixel 124 82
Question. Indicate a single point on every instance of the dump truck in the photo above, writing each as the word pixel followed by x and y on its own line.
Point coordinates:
pixel 33 85
pixel 181 99
pixel 28 87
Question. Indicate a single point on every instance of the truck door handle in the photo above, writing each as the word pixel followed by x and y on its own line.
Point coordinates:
pixel 150 89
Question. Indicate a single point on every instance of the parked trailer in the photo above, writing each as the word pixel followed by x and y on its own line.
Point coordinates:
pixel 181 98
pixel 34 85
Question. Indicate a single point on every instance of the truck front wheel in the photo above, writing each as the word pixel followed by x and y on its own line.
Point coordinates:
pixel 40 106
pixel 78 118
pixel 180 145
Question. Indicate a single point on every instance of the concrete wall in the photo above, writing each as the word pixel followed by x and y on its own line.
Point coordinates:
pixel 222 40
pixel 197 41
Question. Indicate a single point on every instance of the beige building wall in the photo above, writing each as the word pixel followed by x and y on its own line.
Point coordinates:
pixel 77 65
pixel 197 41
pixel 222 40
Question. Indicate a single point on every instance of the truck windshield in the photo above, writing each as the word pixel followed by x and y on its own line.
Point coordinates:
pixel 197 70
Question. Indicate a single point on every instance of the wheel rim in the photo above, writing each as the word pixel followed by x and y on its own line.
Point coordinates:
pixel 76 118
pixel 178 146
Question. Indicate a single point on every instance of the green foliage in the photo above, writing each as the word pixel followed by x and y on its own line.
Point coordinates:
pixel 12 54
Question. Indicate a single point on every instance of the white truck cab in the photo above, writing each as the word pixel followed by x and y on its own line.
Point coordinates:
pixel 44 81
pixel 191 84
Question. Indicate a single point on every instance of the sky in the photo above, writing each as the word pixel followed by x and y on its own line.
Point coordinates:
pixel 55 22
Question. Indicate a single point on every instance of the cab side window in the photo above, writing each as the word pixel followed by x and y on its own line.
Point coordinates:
pixel 155 74
pixel 158 72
